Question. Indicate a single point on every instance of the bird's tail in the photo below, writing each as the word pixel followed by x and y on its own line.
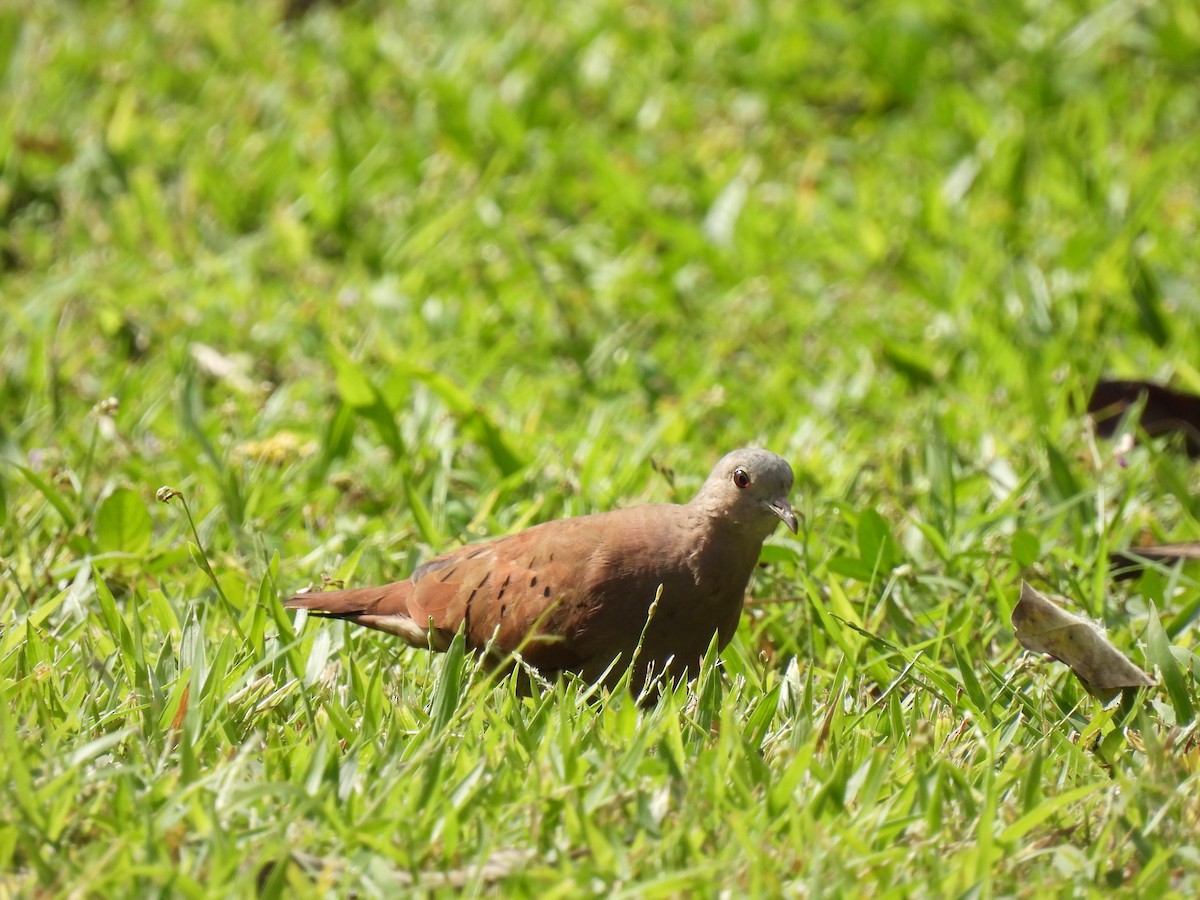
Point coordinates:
pixel 384 608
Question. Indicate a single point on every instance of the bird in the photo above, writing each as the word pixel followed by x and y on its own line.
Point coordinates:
pixel 576 594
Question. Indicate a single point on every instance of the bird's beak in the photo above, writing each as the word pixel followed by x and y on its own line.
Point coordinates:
pixel 784 510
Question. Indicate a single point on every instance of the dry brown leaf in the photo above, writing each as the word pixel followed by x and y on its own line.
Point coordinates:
pixel 1166 410
pixel 1130 563
pixel 1044 627
pixel 181 710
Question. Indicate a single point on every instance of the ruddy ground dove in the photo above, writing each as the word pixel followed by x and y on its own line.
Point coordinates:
pixel 574 594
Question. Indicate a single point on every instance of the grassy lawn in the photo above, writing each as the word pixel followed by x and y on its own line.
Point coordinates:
pixel 368 281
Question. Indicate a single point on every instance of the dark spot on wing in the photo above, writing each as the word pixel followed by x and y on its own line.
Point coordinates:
pixel 533 581
pixel 546 592
pixel 467 614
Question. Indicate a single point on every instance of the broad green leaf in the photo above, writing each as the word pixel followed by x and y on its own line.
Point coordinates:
pixel 1158 652
pixel 448 690
pixel 318 656
pixel 911 362
pixel 852 567
pixel 971 682
pixel 875 542
pixel 130 655
pixel 335 442
pixel 360 393
pixel 1026 548
pixel 123 523
pixel 353 385
pixel 55 499
pixel 1061 476
pixel 420 512
pixel 1147 294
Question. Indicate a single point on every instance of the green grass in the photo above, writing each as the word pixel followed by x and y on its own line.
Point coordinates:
pixel 376 280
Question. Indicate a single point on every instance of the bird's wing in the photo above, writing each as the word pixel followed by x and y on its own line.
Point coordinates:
pixel 527 592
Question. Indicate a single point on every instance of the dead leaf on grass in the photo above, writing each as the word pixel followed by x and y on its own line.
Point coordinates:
pixel 1131 562
pixel 1166 410
pixel 1044 627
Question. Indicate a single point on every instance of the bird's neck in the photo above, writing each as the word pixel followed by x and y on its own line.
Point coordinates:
pixel 725 542
pixel 713 519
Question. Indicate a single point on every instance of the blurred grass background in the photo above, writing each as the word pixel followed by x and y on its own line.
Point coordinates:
pixel 366 280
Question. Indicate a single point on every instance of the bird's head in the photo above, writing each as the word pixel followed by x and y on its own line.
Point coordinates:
pixel 750 487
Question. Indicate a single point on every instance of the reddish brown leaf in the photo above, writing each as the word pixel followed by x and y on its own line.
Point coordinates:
pixel 1166 411
pixel 1130 563
pixel 181 711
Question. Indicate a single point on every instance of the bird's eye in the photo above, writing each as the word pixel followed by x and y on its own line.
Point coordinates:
pixel 741 478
